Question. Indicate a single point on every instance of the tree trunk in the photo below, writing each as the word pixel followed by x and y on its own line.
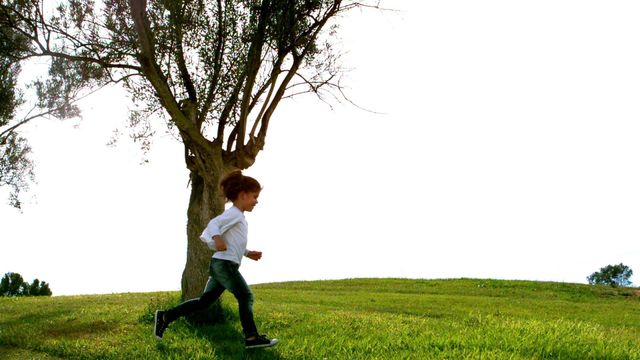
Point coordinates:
pixel 206 201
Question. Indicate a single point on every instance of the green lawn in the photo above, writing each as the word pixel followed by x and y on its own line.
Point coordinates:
pixel 346 319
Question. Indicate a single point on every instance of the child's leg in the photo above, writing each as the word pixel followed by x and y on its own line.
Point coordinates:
pixel 244 296
pixel 213 290
pixel 211 293
pixel 227 274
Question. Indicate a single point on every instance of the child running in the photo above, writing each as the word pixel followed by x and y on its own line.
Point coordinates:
pixel 227 235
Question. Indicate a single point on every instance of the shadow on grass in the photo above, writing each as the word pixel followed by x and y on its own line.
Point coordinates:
pixel 224 337
pixel 14 353
pixel 225 340
pixel 59 324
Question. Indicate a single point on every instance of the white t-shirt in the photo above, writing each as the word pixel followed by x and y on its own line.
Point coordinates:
pixel 233 228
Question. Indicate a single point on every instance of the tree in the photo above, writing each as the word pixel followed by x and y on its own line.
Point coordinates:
pixel 213 71
pixel 34 288
pixel 12 284
pixel 38 288
pixel 613 275
pixel 16 168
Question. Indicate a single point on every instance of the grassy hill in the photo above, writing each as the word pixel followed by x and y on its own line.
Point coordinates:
pixel 346 319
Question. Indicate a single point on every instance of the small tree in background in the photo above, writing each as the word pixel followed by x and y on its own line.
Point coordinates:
pixel 12 284
pixel 613 275
pixel 38 288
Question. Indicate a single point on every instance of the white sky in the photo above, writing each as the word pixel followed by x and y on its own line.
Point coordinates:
pixel 509 148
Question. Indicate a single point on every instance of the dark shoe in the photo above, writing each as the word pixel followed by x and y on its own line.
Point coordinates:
pixel 259 342
pixel 160 325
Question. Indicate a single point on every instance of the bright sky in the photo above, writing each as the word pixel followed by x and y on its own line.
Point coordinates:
pixel 508 148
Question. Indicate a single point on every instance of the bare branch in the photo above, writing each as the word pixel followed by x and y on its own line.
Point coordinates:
pixel 363 5
pixel 28 118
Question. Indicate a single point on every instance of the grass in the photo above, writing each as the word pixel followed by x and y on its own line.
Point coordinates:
pixel 346 319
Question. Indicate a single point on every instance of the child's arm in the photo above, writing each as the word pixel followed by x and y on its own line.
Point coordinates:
pixel 219 243
pixel 218 226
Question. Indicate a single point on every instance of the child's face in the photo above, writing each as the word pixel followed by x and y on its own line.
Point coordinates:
pixel 247 200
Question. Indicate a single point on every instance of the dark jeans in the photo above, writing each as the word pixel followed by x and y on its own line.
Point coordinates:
pixel 223 275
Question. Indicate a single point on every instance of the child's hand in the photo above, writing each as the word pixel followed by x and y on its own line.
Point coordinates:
pixel 254 255
pixel 219 243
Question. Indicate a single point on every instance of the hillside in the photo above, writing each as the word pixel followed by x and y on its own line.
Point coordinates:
pixel 345 319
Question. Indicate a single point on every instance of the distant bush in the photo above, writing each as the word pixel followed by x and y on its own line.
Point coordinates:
pixel 12 284
pixel 613 275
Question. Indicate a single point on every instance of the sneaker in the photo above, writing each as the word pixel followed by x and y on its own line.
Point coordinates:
pixel 259 342
pixel 159 325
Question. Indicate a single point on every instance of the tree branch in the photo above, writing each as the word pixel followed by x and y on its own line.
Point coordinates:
pixel 217 66
pixel 157 80
pixel 28 118
pixel 253 66
pixel 233 99
pixel 275 74
pixel 46 48
pixel 85 59
pixel 180 59
pixel 297 60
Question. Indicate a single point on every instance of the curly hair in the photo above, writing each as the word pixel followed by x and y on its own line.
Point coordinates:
pixel 235 183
